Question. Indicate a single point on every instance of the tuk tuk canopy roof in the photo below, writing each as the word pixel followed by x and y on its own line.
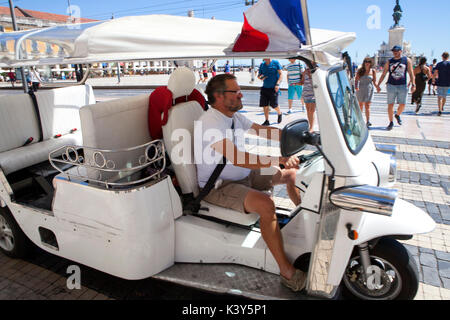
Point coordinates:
pixel 153 37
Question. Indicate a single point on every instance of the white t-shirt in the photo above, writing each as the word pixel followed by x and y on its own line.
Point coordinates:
pixel 211 127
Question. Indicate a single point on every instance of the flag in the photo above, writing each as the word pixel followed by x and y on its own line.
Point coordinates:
pixel 273 25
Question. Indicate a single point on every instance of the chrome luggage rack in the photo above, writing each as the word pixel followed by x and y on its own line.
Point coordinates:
pixel 96 166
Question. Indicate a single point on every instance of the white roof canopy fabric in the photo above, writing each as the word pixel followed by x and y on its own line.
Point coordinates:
pixel 154 37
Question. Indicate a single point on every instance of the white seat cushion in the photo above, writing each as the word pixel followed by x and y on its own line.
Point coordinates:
pixel 178 136
pixel 116 124
pixel 18 121
pixel 60 108
pixel 19 158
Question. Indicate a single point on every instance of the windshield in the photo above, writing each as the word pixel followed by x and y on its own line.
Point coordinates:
pixel 348 111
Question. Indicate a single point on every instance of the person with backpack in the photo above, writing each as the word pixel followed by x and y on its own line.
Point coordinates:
pixel 422 74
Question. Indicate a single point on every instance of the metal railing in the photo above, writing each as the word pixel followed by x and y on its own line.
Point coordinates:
pixel 112 167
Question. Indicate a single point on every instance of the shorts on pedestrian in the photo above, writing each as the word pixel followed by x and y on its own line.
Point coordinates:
pixel 442 91
pixel 309 100
pixel 231 194
pixel 205 75
pixel 292 90
pixel 268 97
pixel 396 93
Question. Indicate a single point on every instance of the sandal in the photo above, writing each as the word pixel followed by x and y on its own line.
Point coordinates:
pixel 297 281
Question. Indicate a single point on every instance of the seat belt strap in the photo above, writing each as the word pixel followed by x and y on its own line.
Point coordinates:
pixel 194 206
pixel 38 114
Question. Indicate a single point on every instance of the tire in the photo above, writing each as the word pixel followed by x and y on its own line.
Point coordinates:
pixel 13 242
pixel 400 282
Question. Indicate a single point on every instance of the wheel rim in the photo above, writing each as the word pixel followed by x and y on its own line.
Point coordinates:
pixel 6 235
pixel 387 287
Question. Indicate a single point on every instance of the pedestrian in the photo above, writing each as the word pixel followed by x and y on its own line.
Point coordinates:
pixel 294 77
pixel 365 81
pixel 12 77
pixel 34 79
pixel 270 72
pixel 205 72
pixel 213 70
pixel 227 67
pixel 430 81
pixel 442 74
pixel 422 74
pixel 308 96
pixel 200 76
pixel 396 87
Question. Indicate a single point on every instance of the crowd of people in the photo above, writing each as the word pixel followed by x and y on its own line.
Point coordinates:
pixel 398 68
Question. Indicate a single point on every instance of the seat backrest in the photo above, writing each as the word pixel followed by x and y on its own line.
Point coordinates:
pixel 18 121
pixel 116 124
pixel 59 114
pixel 178 133
pixel 59 108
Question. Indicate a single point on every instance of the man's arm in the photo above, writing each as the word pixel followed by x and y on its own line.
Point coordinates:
pixel 269 133
pixel 435 75
pixel 250 160
pixel 280 75
pixel 412 79
pixel 385 70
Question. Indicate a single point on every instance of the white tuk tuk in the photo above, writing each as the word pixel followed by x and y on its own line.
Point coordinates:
pixel 87 182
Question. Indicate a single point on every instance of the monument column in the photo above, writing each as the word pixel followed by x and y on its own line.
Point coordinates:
pixel 396 36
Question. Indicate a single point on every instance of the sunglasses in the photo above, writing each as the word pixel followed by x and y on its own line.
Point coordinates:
pixel 237 92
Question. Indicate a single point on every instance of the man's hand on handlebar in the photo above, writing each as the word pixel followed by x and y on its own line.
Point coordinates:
pixel 290 162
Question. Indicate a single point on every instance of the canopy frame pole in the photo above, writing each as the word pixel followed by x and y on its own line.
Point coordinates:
pixel 304 6
pixel 118 72
pixel 13 19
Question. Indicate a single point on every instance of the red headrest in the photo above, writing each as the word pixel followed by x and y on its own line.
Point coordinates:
pixel 160 101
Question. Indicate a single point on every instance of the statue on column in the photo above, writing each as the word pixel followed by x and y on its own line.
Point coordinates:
pixel 397 13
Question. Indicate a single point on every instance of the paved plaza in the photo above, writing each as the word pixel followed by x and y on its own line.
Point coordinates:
pixel 423 158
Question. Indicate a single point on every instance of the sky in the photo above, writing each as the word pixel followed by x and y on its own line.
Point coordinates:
pixel 426 22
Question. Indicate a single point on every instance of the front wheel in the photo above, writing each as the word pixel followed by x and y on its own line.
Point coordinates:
pixel 394 274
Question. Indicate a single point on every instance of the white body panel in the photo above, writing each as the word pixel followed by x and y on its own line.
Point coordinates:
pixel 203 241
pixel 129 234
pixel 406 219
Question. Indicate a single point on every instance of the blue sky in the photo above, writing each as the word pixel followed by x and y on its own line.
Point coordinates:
pixel 427 22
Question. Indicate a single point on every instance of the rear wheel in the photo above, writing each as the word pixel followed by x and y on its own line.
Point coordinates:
pixel 13 242
pixel 395 274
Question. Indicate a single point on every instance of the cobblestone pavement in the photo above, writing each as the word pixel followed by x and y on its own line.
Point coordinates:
pixel 423 155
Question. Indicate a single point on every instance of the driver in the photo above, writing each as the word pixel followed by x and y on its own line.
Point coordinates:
pixel 242 181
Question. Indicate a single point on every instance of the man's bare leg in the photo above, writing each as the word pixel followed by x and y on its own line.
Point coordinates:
pixel 278 110
pixel 400 109
pixel 263 205
pixel 290 103
pixel 266 113
pixel 391 112
pixel 287 177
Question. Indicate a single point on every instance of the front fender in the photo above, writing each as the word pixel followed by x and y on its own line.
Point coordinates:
pixel 406 219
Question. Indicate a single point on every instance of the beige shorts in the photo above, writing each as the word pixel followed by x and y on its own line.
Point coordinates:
pixel 231 194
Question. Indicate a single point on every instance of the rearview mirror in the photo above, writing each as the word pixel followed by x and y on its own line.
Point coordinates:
pixel 294 137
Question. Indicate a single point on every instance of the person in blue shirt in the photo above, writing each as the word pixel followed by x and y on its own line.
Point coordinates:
pixel 227 67
pixel 270 72
pixel 442 73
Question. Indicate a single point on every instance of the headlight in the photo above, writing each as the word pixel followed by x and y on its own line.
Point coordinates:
pixel 365 198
